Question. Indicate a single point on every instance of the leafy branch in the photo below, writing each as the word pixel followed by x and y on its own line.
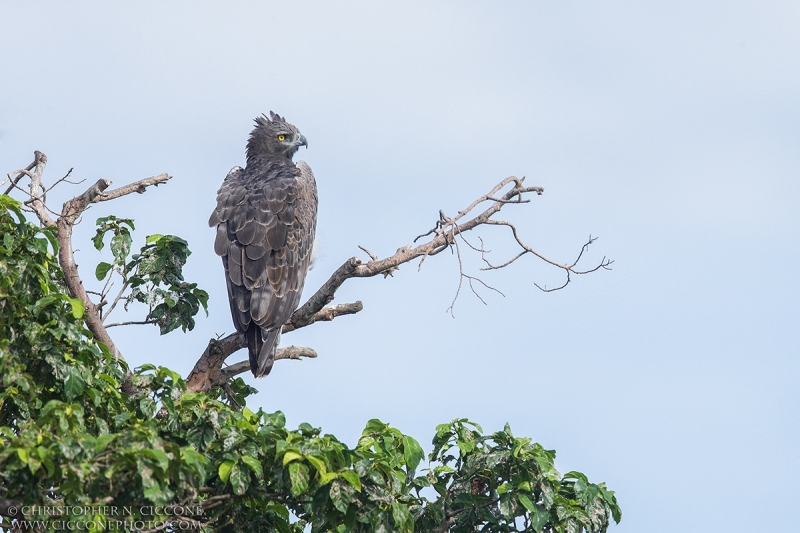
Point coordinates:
pixel 154 276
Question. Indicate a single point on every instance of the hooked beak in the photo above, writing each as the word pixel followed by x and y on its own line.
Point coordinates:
pixel 302 141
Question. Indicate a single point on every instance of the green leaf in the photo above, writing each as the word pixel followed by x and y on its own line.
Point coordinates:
pixel 151 239
pixel 74 383
pixel 327 477
pixel 44 302
pixel 22 453
pixel 506 506
pixel 121 245
pixel 539 518
pixel 465 446
pixel 298 475
pixel 373 426
pixel 291 456
pixel 351 478
pixel 317 462
pixel 239 479
pixel 161 458
pixel 400 513
pixel 77 307
pixel 576 475
pixel 102 270
pixel 412 453
pixel 254 465
pixel 7 202
pixel 225 470
pixel 102 442
pixel 526 502
pixel 340 496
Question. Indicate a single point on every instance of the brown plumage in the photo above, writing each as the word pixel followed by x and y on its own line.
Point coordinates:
pixel 266 216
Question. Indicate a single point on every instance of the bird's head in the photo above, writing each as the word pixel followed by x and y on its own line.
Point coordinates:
pixel 274 136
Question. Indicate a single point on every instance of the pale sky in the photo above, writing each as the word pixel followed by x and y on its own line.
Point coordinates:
pixel 671 130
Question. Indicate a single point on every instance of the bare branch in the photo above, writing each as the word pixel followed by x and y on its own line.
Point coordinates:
pixel 509 201
pixel 324 315
pixel 70 213
pixel 137 187
pixel 324 295
pixel 444 235
pixel 290 352
pixel 295 352
pixel 235 369
pixel 493 267
pixel 132 323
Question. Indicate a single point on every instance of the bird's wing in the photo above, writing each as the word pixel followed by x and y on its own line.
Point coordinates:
pixel 265 232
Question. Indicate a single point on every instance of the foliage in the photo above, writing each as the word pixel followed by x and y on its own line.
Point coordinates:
pixel 69 437
pixel 154 275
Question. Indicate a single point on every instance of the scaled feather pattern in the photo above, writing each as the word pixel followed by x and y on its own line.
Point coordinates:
pixel 265 219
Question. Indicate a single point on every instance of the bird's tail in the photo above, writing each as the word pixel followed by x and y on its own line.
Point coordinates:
pixel 261 347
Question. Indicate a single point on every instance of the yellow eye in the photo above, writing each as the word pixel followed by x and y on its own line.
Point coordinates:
pixel 281 137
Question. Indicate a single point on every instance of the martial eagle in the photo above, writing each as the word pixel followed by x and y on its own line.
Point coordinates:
pixel 266 216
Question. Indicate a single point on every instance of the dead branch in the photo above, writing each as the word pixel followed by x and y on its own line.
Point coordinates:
pixel 290 352
pixel 324 315
pixel 130 323
pixel 135 187
pixel 444 235
pixel 370 254
pixel 208 370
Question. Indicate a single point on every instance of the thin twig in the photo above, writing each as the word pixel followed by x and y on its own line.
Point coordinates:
pixel 125 285
pixel 370 254
pixel 66 180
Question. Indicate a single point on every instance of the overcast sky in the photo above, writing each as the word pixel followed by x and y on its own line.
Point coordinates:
pixel 671 130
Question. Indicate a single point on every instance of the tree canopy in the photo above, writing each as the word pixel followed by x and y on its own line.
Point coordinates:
pixel 100 446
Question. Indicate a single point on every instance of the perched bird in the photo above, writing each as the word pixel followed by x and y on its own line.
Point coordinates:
pixel 266 216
